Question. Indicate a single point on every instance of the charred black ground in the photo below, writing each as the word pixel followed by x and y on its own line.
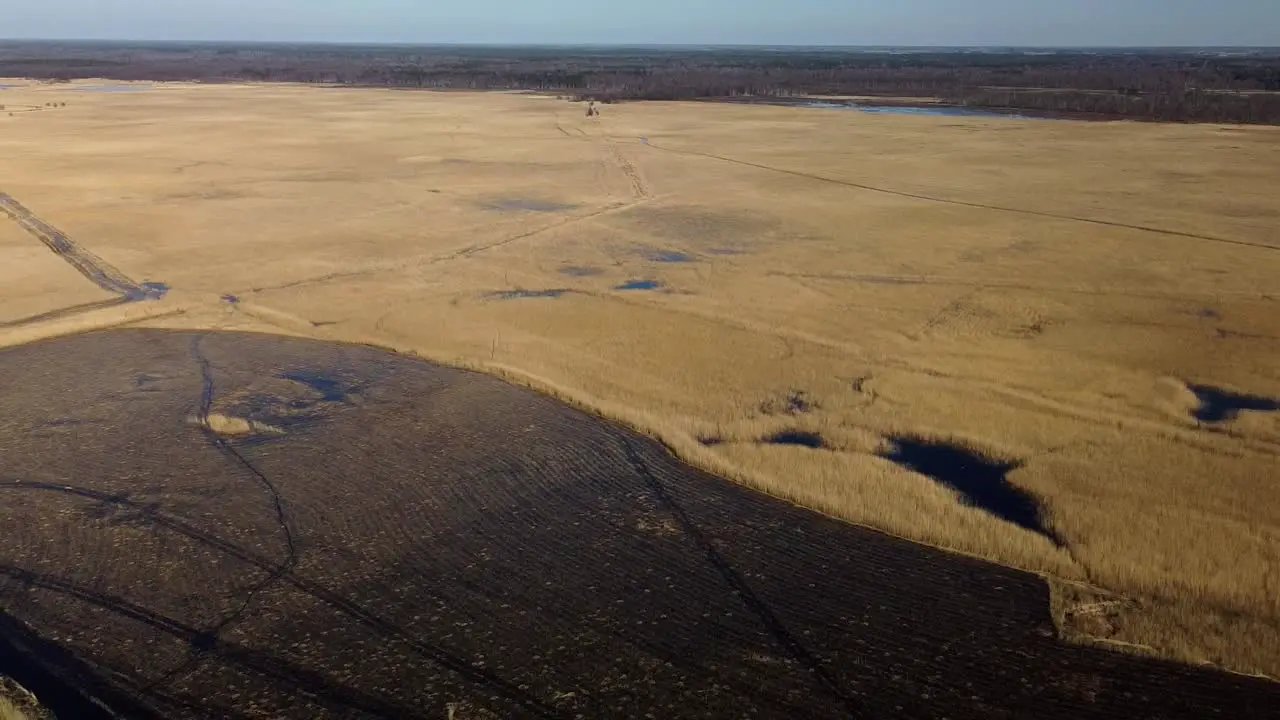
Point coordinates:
pixel 424 542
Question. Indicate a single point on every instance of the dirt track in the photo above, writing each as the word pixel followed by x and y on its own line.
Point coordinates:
pixel 403 540
pixel 94 268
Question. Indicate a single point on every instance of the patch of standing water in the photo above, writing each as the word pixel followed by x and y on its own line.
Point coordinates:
pixel 669 256
pixel 148 291
pixel 527 205
pixel 639 285
pixel 982 483
pixel 1218 405
pixel 519 294
pixel 330 389
pixel 938 111
pixel 580 271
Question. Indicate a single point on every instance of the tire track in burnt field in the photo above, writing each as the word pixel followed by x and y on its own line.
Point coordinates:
pixel 465 544
pixel 735 581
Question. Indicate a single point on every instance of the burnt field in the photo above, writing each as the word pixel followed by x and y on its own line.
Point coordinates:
pixel 232 525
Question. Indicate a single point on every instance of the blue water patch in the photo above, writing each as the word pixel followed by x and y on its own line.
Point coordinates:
pixel 669 256
pixel 639 285
pixel 147 291
pixel 580 271
pixel 230 299
pixel 932 110
pixel 109 88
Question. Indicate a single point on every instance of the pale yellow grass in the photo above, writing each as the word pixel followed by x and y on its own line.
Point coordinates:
pixel 34 280
pixel 16 703
pixel 377 217
pixel 9 712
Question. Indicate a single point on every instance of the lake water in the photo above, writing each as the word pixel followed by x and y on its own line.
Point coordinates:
pixel 938 111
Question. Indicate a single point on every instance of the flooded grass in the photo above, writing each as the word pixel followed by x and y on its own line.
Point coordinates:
pixel 669 256
pixel 639 285
pixel 527 205
pixel 148 291
pixel 526 294
pixel 330 389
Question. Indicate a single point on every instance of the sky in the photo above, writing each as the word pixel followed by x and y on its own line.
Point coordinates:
pixel 735 22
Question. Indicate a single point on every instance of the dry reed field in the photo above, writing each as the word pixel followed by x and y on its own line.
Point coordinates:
pixel 1051 344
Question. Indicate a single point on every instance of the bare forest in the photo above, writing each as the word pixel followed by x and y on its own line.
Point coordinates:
pixel 1203 85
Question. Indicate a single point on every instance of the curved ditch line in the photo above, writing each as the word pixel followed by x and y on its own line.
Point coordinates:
pixel 63 313
pixel 466 670
pixel 965 203
pixel 943 281
pixel 266 665
pixel 206 405
pixel 735 581
pixel 97 270
pixel 210 637
pixel 649 646
pixel 465 252
pixel 62 683
pixel 472 250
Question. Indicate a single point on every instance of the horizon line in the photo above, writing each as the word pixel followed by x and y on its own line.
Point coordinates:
pixel 535 44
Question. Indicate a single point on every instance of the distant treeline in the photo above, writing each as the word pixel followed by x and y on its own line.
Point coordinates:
pixel 1172 85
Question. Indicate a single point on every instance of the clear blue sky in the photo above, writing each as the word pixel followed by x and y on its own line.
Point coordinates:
pixel 799 22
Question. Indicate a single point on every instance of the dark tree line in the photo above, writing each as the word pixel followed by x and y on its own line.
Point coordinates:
pixel 1173 85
